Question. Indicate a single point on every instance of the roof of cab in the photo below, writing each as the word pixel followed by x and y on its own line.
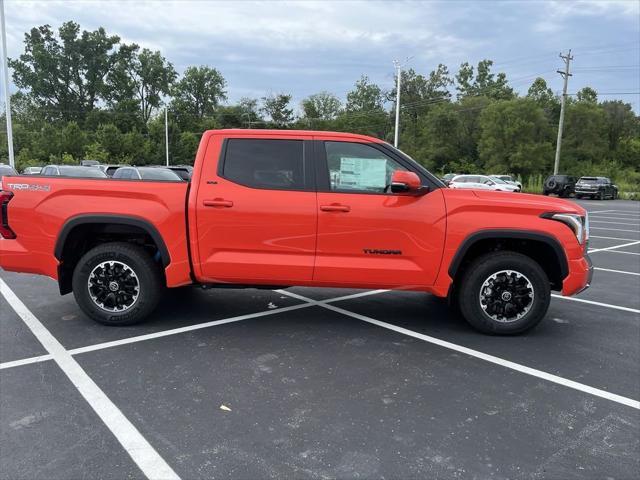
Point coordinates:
pixel 277 133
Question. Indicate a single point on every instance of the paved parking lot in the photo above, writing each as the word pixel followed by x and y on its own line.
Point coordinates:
pixel 313 383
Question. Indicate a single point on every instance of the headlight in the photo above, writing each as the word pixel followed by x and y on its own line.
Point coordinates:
pixel 578 223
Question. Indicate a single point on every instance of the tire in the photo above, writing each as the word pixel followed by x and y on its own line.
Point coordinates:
pixel 578 196
pixel 600 195
pixel 476 280
pixel 130 271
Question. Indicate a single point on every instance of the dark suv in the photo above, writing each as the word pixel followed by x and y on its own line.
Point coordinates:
pixel 596 187
pixel 561 185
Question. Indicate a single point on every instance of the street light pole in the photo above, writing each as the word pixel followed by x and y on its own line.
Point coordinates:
pixel 166 135
pixel 7 97
pixel 398 80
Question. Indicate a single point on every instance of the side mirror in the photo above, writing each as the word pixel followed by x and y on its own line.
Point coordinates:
pixel 403 181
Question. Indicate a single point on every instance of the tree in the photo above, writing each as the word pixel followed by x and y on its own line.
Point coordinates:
pixel 515 138
pixel 321 106
pixel 144 77
pixel 365 97
pixel 484 83
pixel 65 73
pixel 621 123
pixel 276 107
pixel 587 94
pixel 441 133
pixel 199 91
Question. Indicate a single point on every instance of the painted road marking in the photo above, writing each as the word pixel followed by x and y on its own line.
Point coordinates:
pixel 615 223
pixel 189 328
pixel 600 304
pixel 483 356
pixel 613 238
pixel 616 271
pixel 614 247
pixel 613 229
pixel 139 449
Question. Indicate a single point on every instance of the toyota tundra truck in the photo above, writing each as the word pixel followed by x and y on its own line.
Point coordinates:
pixel 274 209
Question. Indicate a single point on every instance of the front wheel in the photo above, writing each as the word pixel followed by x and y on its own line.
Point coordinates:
pixel 117 283
pixel 504 293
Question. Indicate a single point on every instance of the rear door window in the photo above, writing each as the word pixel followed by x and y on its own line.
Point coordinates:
pixel 265 163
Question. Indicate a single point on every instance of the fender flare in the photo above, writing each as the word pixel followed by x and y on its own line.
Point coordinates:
pixel 509 234
pixel 113 220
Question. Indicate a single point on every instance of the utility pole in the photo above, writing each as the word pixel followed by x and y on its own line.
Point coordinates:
pixel 166 135
pixel 7 97
pixel 565 75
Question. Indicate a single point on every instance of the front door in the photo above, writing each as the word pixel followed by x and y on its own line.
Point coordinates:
pixel 368 236
pixel 257 215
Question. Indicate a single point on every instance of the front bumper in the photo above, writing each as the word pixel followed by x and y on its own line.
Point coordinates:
pixel 579 277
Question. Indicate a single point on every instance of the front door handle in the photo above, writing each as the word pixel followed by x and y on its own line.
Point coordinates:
pixel 218 202
pixel 335 207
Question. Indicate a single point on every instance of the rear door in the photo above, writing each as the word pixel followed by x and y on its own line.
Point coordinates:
pixel 256 214
pixel 368 236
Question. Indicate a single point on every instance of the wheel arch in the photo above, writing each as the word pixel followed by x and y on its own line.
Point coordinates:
pixel 543 248
pixel 116 225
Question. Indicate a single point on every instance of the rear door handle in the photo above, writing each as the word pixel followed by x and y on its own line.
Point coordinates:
pixel 218 202
pixel 335 207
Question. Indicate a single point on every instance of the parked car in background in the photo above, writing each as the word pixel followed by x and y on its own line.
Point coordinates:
pixel 71 171
pixel 481 182
pixel 446 179
pixel 561 185
pixel 183 171
pixel 7 170
pixel 596 187
pixel 89 163
pixel 108 169
pixel 508 179
pixel 32 171
pixel 146 173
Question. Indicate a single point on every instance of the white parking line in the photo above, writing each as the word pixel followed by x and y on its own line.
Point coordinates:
pixel 25 361
pixel 594 250
pixel 188 328
pixel 616 271
pixel 483 356
pixel 613 238
pixel 633 216
pixel 621 251
pixel 615 223
pixel 139 449
pixel 613 229
pixel 600 304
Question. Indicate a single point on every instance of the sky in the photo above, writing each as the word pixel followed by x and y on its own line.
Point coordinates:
pixel 303 47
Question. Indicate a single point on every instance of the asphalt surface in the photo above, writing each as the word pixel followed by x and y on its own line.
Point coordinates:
pixel 262 384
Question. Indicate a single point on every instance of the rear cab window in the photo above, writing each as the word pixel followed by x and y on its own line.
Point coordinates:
pixel 272 164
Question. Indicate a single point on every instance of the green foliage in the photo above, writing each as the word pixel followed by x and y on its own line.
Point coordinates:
pixel 277 108
pixel 84 94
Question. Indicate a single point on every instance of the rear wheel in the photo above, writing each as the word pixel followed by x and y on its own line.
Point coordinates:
pixel 117 283
pixel 504 293
pixel 600 195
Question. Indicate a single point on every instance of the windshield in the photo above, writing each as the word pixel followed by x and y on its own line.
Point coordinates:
pixel 498 180
pixel 7 170
pixel 84 172
pixel 589 179
pixel 158 174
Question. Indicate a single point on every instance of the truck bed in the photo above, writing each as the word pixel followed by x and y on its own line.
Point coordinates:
pixel 42 206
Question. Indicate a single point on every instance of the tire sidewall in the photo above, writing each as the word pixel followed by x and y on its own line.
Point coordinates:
pixel 490 264
pixel 133 258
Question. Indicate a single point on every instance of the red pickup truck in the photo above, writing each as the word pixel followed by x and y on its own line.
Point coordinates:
pixel 272 209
